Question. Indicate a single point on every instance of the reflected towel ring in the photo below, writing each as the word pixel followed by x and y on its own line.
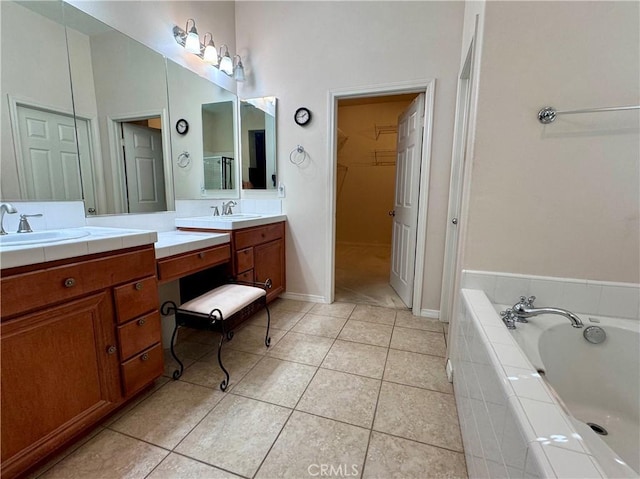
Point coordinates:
pixel 298 155
pixel 184 159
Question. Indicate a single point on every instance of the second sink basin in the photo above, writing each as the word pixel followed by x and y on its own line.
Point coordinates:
pixel 51 236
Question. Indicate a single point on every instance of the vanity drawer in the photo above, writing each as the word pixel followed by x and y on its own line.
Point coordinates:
pixel 258 235
pixel 139 334
pixel 141 369
pixel 41 287
pixel 247 276
pixel 244 259
pixel 182 265
pixel 136 298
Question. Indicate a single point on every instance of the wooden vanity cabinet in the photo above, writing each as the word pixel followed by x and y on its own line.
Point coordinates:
pixel 78 337
pixel 258 254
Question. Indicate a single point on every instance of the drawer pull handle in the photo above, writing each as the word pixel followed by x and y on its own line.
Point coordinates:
pixel 200 255
pixel 141 322
pixel 145 357
pixel 138 286
pixel 69 282
pixel 111 350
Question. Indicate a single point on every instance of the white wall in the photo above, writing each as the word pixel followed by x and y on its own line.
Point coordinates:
pixel 562 199
pixel 299 51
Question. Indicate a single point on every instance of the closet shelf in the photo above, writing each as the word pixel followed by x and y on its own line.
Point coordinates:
pixel 385 129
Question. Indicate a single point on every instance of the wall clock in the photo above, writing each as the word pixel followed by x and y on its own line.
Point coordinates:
pixel 302 116
pixel 182 126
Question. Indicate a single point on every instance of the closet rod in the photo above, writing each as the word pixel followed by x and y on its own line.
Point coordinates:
pixel 548 113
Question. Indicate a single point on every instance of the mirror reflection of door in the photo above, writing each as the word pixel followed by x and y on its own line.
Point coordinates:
pixel 51 162
pixel 257 159
pixel 144 168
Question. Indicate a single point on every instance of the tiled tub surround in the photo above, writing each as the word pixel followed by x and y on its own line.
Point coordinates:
pixel 512 426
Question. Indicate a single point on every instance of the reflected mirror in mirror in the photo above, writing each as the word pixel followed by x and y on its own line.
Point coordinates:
pixel 39 157
pixel 218 145
pixel 211 170
pixel 120 94
pixel 258 143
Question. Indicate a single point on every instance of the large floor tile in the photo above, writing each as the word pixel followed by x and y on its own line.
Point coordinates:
pixel 236 435
pixel 341 396
pixel 392 457
pixel 145 394
pixel 356 358
pixel 276 381
pixel 337 309
pixel 285 320
pixel 418 414
pixel 406 319
pixel 309 443
pixel 207 372
pixel 374 314
pixel 198 336
pixel 420 370
pixel 171 365
pixel 175 466
pixel 319 325
pixel 250 339
pixel 418 341
pixel 302 348
pixel 192 350
pixel 108 455
pixel 291 305
pixel 368 333
pixel 169 414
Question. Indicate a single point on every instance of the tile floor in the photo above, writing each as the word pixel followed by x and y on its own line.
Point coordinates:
pixel 345 390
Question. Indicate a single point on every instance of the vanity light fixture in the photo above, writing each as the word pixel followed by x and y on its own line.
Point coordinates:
pixel 210 54
pixel 189 39
pixel 226 63
pixel 238 71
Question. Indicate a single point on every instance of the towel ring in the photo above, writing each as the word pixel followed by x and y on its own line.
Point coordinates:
pixel 298 155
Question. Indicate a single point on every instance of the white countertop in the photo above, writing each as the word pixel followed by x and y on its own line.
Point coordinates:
pixel 228 223
pixel 177 242
pixel 98 240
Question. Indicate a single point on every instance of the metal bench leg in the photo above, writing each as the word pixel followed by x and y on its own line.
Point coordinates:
pixel 225 382
pixel 178 372
pixel 267 339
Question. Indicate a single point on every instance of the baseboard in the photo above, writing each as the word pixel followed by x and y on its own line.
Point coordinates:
pixel 449 370
pixel 351 243
pixel 311 298
pixel 430 313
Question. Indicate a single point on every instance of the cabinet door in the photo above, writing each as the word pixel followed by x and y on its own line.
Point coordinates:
pixel 59 376
pixel 269 264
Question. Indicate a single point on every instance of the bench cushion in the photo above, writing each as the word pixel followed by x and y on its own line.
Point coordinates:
pixel 229 299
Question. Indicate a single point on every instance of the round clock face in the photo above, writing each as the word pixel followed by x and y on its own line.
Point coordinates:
pixel 182 126
pixel 302 116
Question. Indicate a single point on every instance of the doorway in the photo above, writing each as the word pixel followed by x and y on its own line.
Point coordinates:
pixel 378 160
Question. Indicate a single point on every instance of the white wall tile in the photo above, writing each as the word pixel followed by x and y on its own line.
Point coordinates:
pixel 483 281
pixel 620 301
pixel 537 465
pixel 580 297
pixel 570 464
pixel 547 292
pixel 510 288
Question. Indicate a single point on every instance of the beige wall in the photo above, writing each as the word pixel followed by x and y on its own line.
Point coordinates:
pixel 299 52
pixel 366 172
pixel 562 199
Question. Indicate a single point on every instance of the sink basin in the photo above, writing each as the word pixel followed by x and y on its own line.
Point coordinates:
pixel 51 236
pixel 236 216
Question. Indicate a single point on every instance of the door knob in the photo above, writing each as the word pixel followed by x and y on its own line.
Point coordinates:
pixel 454 221
pixel 392 213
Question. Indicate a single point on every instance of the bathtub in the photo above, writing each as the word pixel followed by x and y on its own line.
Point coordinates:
pixel 524 396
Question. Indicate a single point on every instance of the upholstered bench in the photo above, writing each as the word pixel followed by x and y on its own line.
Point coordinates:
pixel 212 310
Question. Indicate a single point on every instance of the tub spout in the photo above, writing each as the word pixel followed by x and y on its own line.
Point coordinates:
pixel 524 309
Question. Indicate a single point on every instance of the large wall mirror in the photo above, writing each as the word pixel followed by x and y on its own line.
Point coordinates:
pixel 258 140
pixel 205 155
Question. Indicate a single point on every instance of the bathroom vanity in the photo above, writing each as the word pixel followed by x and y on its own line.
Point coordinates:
pixel 79 336
pixel 257 246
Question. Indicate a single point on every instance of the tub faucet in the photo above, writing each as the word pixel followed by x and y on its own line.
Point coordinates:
pixel 524 309
pixel 5 208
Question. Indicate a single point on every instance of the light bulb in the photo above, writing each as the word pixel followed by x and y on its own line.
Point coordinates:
pixel 226 64
pixel 192 42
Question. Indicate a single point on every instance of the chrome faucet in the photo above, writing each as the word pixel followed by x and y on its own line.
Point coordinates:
pixel 524 309
pixel 226 207
pixel 5 208
pixel 24 226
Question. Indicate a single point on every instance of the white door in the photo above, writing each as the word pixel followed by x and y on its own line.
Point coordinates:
pixel 144 169
pixel 51 169
pixel 405 212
